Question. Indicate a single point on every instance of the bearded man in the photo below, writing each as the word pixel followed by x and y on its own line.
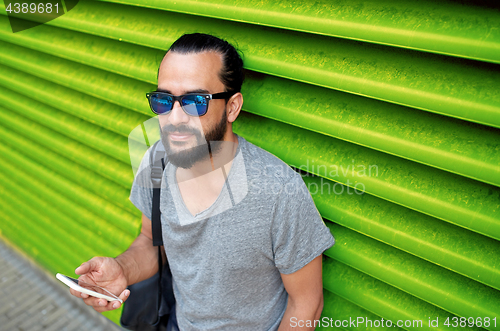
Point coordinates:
pixel 241 234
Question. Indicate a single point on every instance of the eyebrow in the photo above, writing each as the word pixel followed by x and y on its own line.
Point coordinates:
pixel 188 92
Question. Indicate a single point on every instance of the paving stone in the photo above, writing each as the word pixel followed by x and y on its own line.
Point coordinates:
pixel 3 319
pixel 32 300
pixel 59 324
pixel 9 277
pixel 22 293
pixel 35 327
pixel 12 323
pixel 44 304
pixel 23 305
pixel 6 305
pixel 53 316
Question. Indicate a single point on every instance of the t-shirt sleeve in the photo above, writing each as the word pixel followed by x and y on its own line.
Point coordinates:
pixel 299 233
pixel 141 194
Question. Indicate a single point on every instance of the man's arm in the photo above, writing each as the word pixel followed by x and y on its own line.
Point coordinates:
pixel 138 262
pixel 305 296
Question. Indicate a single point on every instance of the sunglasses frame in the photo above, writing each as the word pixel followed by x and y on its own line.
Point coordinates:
pixel 208 97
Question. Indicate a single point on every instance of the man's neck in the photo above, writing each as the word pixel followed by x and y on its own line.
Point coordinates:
pixel 220 160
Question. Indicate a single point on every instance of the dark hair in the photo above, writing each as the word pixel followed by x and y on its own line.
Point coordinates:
pixel 232 74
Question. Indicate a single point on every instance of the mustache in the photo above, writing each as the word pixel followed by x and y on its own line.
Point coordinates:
pixel 168 128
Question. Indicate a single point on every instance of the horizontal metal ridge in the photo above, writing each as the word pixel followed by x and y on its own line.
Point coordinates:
pixel 378 297
pixel 448 86
pixel 427 281
pixel 440 27
pixel 83 203
pixel 452 247
pixel 76 129
pixel 443 195
pixel 459 147
pixel 456 146
pixel 93 110
pixel 111 168
pixel 76 170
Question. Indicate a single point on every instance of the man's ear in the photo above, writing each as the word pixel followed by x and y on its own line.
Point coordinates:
pixel 233 107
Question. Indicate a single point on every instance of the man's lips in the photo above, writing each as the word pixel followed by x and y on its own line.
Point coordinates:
pixel 180 136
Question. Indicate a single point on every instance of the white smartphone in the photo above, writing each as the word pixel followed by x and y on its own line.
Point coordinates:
pixel 92 290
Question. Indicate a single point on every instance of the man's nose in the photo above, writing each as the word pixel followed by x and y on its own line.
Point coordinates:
pixel 177 115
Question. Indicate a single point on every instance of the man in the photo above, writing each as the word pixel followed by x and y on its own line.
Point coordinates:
pixel 241 233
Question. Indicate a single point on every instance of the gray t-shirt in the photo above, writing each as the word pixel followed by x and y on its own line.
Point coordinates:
pixel 226 260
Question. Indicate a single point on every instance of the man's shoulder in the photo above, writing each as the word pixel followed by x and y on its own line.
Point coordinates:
pixel 265 165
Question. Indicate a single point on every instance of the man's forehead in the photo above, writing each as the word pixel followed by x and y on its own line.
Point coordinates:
pixel 209 58
pixel 194 67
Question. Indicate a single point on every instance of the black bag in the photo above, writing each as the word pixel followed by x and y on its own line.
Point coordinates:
pixel 151 302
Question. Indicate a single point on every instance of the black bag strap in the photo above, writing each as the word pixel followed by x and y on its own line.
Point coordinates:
pixel 142 312
pixel 157 167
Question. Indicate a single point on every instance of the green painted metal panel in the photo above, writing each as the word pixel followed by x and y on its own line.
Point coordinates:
pixel 80 232
pixel 121 90
pixel 421 242
pixel 394 75
pixel 469 31
pixel 93 211
pixel 59 239
pixel 456 146
pixel 429 282
pixel 452 247
pixel 96 111
pixel 380 298
pixel 88 179
pixel 73 128
pixel 116 170
pixel 340 309
pixel 33 244
pixel 438 148
pixel 112 55
pixel 455 199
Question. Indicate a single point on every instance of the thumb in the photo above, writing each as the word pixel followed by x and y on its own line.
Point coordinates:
pixel 87 267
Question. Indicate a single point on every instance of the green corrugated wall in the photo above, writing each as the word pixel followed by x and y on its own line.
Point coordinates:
pixel 400 100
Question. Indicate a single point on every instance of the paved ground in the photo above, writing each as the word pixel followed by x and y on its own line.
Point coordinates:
pixel 48 308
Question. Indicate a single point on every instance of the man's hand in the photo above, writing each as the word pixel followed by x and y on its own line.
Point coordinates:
pixel 105 272
pixel 138 262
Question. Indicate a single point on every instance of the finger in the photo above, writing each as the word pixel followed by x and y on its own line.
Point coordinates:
pixel 115 304
pixel 75 293
pixel 101 309
pixel 123 296
pixel 104 305
pixel 92 301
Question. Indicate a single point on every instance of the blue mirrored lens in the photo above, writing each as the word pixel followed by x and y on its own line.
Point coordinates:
pixel 195 105
pixel 161 104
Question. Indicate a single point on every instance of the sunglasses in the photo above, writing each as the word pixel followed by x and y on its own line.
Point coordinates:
pixel 193 104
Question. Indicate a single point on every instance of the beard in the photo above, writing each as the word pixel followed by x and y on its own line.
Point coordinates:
pixel 205 146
